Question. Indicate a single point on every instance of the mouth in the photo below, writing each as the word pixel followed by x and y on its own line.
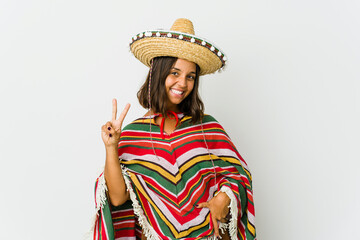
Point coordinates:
pixel 177 92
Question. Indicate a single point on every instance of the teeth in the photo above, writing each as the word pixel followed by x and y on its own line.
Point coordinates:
pixel 177 92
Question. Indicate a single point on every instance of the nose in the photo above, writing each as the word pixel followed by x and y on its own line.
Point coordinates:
pixel 182 82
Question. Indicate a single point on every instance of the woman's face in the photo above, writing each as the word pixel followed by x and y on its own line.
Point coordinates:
pixel 179 83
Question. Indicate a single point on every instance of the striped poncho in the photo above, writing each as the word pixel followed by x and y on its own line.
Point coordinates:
pixel 165 186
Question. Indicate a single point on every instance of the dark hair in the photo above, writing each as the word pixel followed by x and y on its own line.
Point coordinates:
pixel 191 105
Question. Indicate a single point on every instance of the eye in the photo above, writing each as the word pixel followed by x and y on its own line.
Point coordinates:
pixel 192 77
pixel 174 73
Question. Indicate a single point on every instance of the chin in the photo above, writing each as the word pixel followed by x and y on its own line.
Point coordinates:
pixel 172 104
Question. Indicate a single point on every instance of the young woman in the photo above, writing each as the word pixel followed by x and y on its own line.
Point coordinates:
pixel 173 173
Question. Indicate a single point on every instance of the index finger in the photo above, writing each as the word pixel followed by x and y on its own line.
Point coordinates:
pixel 114 109
pixel 123 113
pixel 203 205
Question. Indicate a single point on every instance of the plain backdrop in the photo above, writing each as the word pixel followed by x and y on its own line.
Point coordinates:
pixel 289 99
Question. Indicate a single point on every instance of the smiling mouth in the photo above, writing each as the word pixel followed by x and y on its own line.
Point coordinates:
pixel 177 92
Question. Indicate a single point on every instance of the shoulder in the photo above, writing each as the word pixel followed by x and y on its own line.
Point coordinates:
pixel 210 123
pixel 209 118
pixel 206 118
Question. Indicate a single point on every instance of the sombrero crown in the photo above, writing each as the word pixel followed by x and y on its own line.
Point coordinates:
pixel 180 41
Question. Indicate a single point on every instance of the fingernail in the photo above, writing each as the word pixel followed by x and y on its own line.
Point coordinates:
pixel 110 135
pixel 109 128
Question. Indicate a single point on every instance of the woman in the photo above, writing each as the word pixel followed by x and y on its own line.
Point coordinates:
pixel 179 175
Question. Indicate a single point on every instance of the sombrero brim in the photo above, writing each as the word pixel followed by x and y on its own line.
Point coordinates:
pixel 147 45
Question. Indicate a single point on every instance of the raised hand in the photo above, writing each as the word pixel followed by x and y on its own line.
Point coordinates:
pixel 110 132
pixel 219 209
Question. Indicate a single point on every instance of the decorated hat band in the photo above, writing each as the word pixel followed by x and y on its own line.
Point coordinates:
pixel 183 37
pixel 179 42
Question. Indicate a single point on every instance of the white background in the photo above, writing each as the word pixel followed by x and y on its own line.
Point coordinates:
pixel 289 99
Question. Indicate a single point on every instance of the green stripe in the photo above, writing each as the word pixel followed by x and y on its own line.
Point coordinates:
pixel 108 220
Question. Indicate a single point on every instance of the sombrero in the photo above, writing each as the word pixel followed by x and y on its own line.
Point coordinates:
pixel 180 41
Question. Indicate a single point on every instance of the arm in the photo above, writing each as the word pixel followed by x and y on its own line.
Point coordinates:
pixel 234 180
pixel 114 178
pixel 115 182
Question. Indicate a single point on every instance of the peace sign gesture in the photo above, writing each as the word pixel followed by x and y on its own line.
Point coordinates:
pixel 110 132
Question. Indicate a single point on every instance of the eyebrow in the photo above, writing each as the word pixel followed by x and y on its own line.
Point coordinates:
pixel 180 70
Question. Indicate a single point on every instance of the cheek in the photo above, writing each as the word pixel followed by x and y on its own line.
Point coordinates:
pixel 191 86
pixel 169 81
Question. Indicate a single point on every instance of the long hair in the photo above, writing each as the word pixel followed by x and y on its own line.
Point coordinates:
pixel 161 67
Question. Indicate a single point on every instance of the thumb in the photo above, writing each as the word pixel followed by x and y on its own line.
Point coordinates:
pixel 216 226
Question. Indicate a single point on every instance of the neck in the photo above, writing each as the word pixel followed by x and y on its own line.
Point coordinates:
pixel 172 107
pixel 151 112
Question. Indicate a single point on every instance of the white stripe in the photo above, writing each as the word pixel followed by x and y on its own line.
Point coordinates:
pixel 122 210
pixel 227 152
pixel 173 169
pixel 185 157
pixel 146 141
pixel 152 212
pixel 123 222
pixel 251 218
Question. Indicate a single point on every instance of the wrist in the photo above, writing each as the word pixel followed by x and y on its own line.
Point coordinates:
pixel 111 148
